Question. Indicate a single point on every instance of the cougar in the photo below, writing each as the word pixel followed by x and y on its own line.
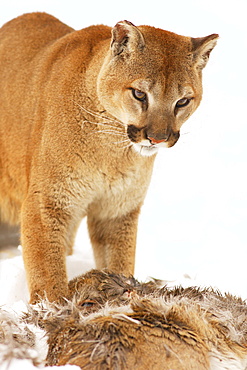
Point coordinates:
pixel 82 117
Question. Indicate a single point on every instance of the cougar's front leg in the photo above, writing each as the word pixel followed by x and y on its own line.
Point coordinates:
pixel 114 242
pixel 44 237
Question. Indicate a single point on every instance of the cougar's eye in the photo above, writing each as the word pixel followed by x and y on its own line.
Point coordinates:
pixel 182 102
pixel 139 95
pixel 87 303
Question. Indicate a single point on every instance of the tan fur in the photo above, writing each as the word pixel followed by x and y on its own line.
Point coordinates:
pixel 72 134
pixel 115 322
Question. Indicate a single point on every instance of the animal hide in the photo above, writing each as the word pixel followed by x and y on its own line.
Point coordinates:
pixel 115 322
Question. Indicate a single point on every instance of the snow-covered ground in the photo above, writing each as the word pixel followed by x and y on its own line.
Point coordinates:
pixel 193 224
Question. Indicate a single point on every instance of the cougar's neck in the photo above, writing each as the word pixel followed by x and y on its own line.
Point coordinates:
pixel 100 52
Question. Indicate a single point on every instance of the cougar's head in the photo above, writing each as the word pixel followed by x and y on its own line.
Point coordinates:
pixel 151 81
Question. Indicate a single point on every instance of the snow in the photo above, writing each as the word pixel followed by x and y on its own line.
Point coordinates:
pixel 192 226
pixel 27 365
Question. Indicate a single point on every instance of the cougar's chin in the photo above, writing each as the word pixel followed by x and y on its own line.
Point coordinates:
pixel 145 150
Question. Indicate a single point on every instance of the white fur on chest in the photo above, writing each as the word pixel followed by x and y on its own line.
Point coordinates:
pixel 121 194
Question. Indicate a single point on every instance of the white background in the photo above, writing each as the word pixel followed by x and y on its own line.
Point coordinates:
pixel 193 223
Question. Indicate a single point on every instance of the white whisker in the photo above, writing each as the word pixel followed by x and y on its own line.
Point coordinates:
pixel 102 124
pixel 89 111
pixel 110 132
pixel 122 144
pixel 98 115
pixel 126 146
pixel 107 126
pixel 119 142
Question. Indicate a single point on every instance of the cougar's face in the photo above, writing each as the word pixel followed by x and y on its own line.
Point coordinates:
pixel 151 81
pixel 154 111
pixel 154 107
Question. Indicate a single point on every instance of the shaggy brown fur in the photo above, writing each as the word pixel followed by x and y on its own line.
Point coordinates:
pixel 118 323
pixel 81 115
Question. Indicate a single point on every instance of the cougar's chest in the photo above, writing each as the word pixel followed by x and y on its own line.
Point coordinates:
pixel 123 190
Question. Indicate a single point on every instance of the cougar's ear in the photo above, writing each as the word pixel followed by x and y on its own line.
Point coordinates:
pixel 202 47
pixel 126 37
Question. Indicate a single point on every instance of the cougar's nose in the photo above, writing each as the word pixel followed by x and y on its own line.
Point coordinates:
pixel 156 141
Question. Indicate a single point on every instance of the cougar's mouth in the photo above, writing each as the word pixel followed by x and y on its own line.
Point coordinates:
pixel 149 145
pixel 145 150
